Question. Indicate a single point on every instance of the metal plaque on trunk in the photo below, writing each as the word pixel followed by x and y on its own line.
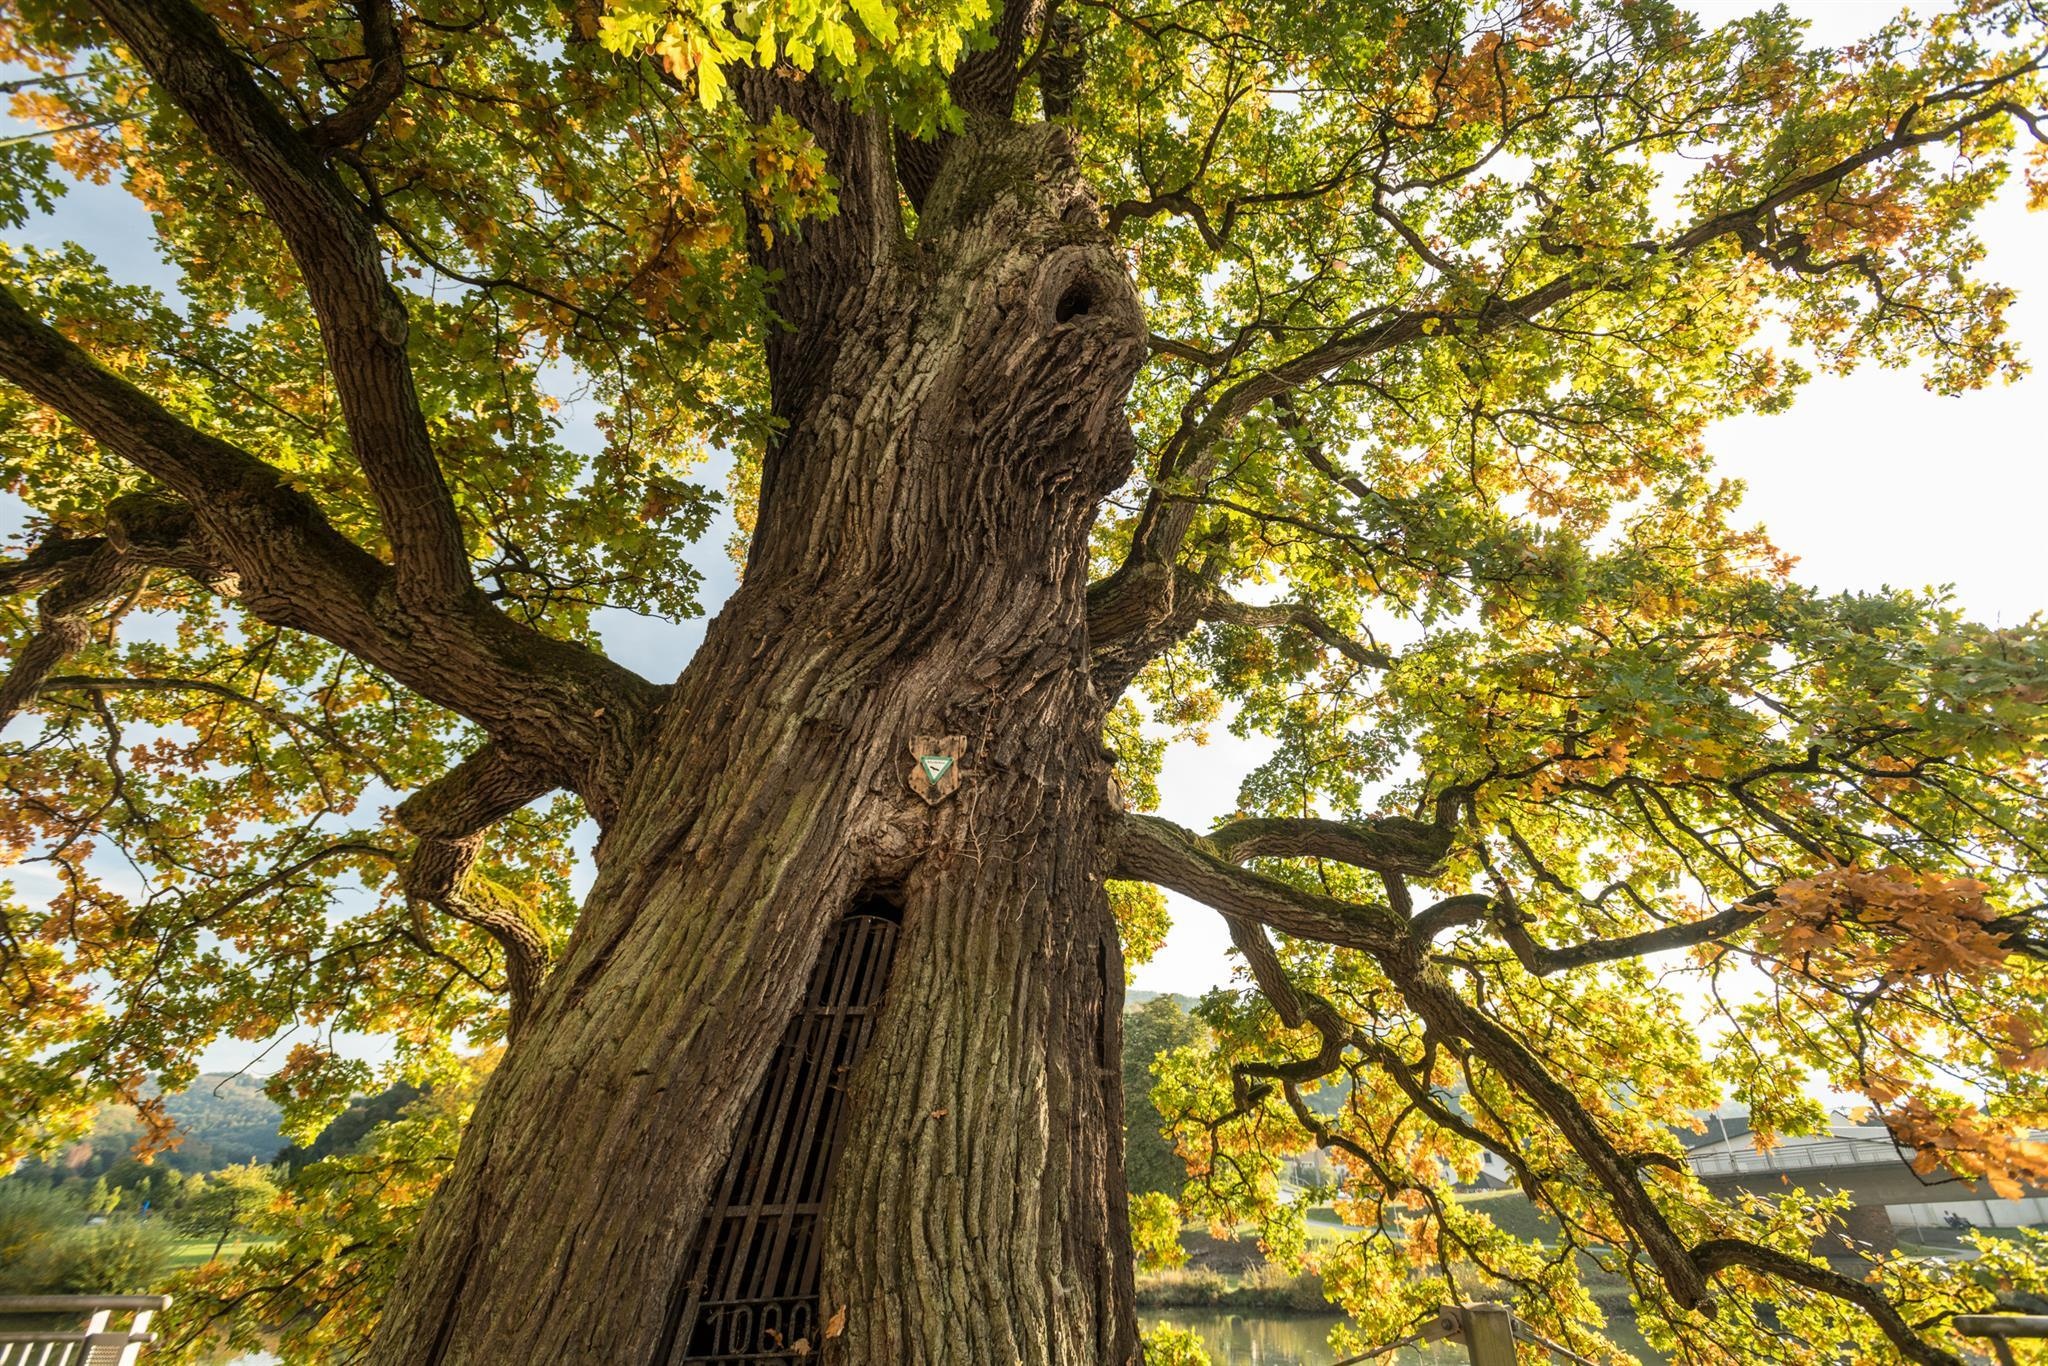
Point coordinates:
pixel 936 774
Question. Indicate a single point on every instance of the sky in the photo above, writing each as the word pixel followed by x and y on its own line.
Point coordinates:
pixel 1869 480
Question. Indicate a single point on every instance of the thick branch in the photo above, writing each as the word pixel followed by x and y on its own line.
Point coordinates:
pixel 85 575
pixel 1158 851
pixel 1140 611
pixel 1384 844
pixel 821 269
pixel 1263 959
pixel 986 83
pixel 64 621
pixel 450 817
pixel 386 81
pixel 1720 1254
pixel 1298 617
pixel 296 570
pixel 362 319
pixel 1449 1015
pixel 1542 960
pixel 47 564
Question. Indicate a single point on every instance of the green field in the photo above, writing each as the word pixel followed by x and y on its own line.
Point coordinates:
pixel 187 1253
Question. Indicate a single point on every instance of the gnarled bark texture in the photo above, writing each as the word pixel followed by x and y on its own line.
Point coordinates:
pixel 919 569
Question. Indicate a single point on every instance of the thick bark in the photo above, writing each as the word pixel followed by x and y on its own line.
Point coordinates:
pixel 919 569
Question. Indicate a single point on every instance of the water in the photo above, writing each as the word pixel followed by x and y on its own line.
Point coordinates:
pixel 1268 1338
pixel 1264 1338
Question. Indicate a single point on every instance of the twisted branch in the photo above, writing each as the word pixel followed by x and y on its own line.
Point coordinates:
pixel 449 817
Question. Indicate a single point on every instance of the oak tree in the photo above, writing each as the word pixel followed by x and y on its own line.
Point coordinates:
pixel 1091 370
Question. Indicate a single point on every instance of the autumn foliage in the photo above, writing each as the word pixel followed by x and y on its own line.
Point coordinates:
pixel 1580 814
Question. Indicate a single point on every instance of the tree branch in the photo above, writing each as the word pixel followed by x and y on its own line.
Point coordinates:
pixel 1449 1015
pixel 1139 612
pixel 1384 844
pixel 64 621
pixel 1542 960
pixel 363 321
pixel 88 574
pixel 821 270
pixel 449 818
pixel 1295 616
pixel 294 569
pixel 47 564
pixel 386 82
pixel 1158 851
pixel 1720 1254
pixel 985 83
pixel 1149 849
pixel 1189 455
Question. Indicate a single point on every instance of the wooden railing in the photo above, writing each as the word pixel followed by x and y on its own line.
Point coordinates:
pixel 96 1344
pixel 2001 1329
pixel 1487 1332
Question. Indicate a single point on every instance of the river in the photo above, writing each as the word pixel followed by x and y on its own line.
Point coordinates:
pixel 1266 1338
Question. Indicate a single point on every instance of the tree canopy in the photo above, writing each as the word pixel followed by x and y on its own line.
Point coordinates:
pixel 1584 814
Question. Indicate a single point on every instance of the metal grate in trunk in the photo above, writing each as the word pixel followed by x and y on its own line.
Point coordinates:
pixel 750 1287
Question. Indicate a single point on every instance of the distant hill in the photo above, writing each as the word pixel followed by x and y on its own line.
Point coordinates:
pixel 224 1118
pixel 363 1114
pixel 1134 999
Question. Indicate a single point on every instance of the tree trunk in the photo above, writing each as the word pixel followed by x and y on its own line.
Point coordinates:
pixel 919 568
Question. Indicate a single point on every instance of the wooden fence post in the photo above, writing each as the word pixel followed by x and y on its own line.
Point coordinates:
pixel 1489 1333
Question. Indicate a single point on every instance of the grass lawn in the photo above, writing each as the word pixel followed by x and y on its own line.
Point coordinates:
pixel 187 1253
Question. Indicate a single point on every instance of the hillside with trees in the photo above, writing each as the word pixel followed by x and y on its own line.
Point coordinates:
pixel 220 1120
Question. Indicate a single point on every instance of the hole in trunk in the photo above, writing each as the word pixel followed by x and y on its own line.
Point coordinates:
pixel 749 1288
pixel 1079 298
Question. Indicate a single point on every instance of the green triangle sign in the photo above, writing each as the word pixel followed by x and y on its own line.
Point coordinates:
pixel 935 766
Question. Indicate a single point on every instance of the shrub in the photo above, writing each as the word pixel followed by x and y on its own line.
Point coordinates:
pixel 47 1248
pixel 1170 1346
pixel 124 1256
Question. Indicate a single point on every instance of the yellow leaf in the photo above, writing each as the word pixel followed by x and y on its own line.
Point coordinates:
pixel 710 84
pixel 835 1325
